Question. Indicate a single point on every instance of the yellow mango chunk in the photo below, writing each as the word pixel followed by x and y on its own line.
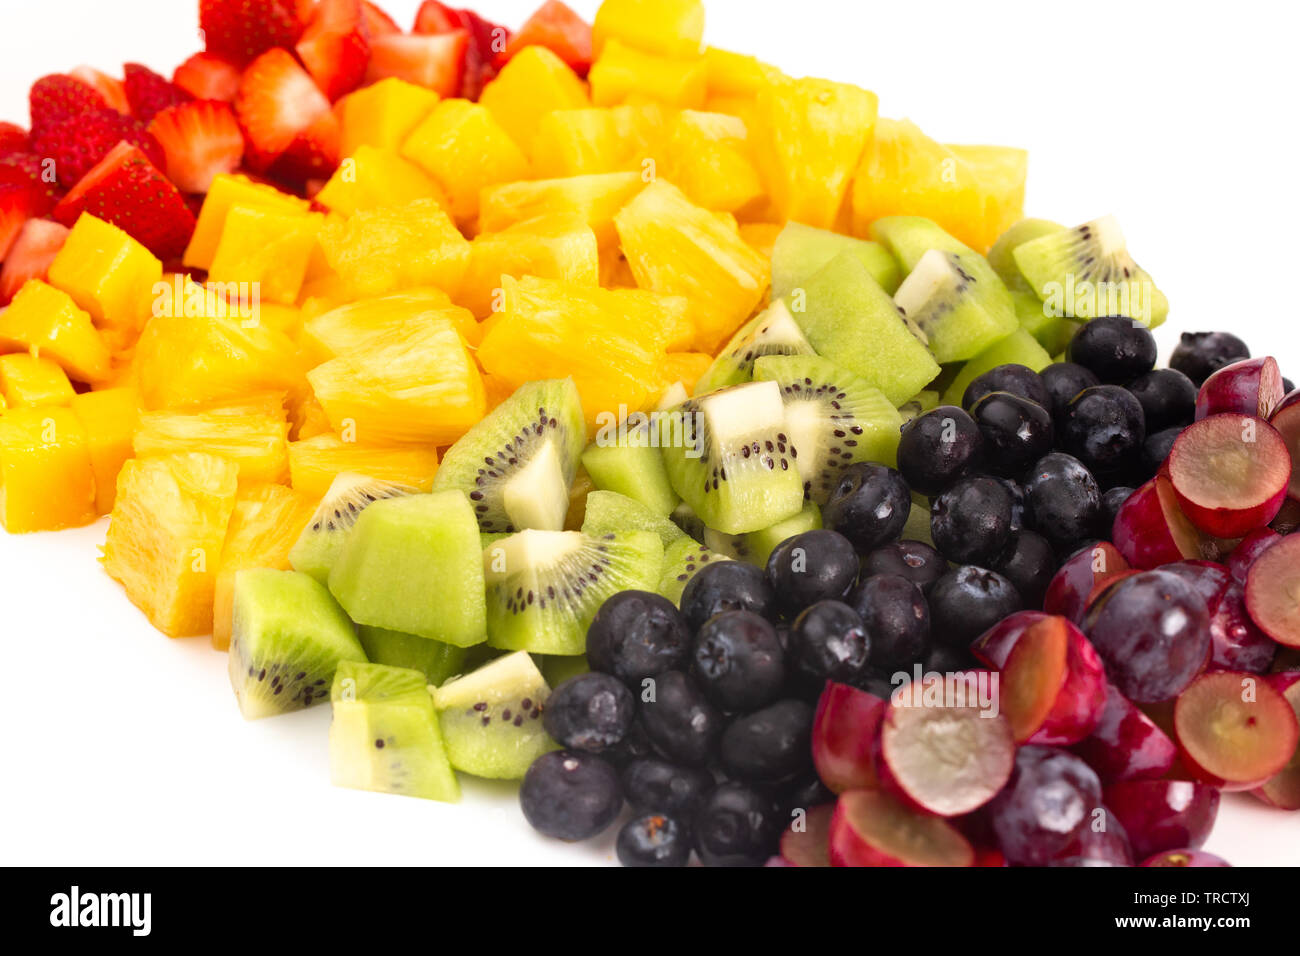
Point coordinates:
pixel 27 381
pixel 623 73
pixel 535 82
pixel 371 178
pixel 267 247
pixel 109 418
pixel 228 191
pixel 46 481
pixel 382 115
pixel 108 274
pixel 664 27
pixel 47 322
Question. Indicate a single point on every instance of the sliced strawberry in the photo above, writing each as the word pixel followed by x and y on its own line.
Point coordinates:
pixel 40 172
pixel 377 22
pixel 242 30
pixel 200 140
pixel 334 47
pixel 278 101
pixel 30 256
pixel 434 18
pixel 109 87
pixel 208 77
pixel 21 199
pixel 58 96
pixel 149 94
pixel 13 139
pixel 437 62
pixel 314 153
pixel 79 143
pixel 487 41
pixel 130 192
pixel 560 30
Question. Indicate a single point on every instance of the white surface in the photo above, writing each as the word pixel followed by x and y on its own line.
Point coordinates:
pixel 124 747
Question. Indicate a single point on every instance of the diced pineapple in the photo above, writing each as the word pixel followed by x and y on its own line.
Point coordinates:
pixel 532 84
pixel 665 27
pixel 382 115
pixel 685 367
pixel 554 247
pixel 616 139
pixel 307 417
pixel 595 198
pixel 708 158
pixel 372 178
pixel 387 250
pixel 46 321
pixel 166 534
pixel 736 74
pixel 352 327
pixel 624 74
pixel 226 192
pixel 761 236
pixel 30 382
pixel 278 317
pixel 108 274
pixel 46 481
pixel 417 385
pixel 109 418
pixel 267 247
pixel 462 146
pixel 1002 171
pixel 258 443
pixel 677 248
pixel 315 462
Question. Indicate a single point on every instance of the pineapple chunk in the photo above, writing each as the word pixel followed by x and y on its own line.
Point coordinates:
pixel 708 158
pixel 599 140
pixel 624 74
pixel 684 367
pixel 595 198
pixel 555 247
pixel 373 178
pixel 166 535
pixel 29 382
pixel 109 418
pixel 663 27
pixel 387 250
pixel 46 480
pixel 108 274
pixel 258 443
pixel 352 327
pixel 226 192
pixel 382 115
pixel 677 248
pixel 417 385
pixel 48 322
pixel 535 82
pixel 736 74
pixel 315 462
pixel 1002 171
pixel 266 247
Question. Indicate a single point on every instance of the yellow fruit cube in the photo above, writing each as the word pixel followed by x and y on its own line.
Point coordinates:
pixel 226 192
pixel 315 462
pixel 595 199
pixel 166 535
pixel 108 274
pixel 47 322
pixel 1002 171
pixel 27 381
pixel 736 74
pixel 386 250
pixel 623 73
pixel 286 319
pixel 663 27
pixel 625 138
pixel 464 148
pixel 266 247
pixel 554 247
pixel 534 83
pixel 371 178
pixel 109 418
pixel 382 115
pixel 685 367
pixel 46 481
pixel 708 157
pixel 354 326
pixel 257 442
pixel 761 236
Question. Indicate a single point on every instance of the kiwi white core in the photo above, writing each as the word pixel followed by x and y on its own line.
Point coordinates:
pixel 538 495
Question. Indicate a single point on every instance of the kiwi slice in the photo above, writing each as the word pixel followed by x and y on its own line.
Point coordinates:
pixel 833 417
pixel 491 718
pixel 317 548
pixel 557 668
pixel 544 587
pixel 288 636
pixel 911 237
pixel 434 659
pixel 962 310
pixel 772 332
pixel 755 546
pixel 610 513
pixel 734 546
pixel 799 251
pixel 730 458
pixel 385 736
pixel 1087 272
pixel 681 561
pixel 630 464
pixel 1001 256
pixel 688 521
pixel 920 403
pixel 517 463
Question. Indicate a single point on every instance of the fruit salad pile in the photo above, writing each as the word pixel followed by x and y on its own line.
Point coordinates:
pixel 428 370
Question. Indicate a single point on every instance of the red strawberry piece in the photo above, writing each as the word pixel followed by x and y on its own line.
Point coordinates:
pixel 242 30
pixel 57 97
pixel 13 139
pixel 560 30
pixel 40 172
pixel 130 192
pixel 21 199
pixel 434 17
pixel 487 41
pixel 377 22
pixel 200 139
pixel 208 77
pixel 278 102
pixel 334 47
pixel 149 94
pixel 79 143
pixel 314 153
pixel 30 256
pixel 109 87
pixel 437 62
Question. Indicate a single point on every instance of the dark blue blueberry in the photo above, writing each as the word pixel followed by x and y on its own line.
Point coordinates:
pixel 738 825
pixel 1167 397
pixel 1029 563
pixel 869 505
pixel 680 721
pixel 770 744
pixel 829 642
pixel 726 586
pixel 738 661
pixel 570 795
pixel 1017 379
pixel 937 448
pixel 1104 428
pixel 915 560
pixel 1199 355
pixel 967 601
pixel 636 635
pixel 897 620
pixel 1115 348
pixel 1062 500
pixel 655 839
pixel 590 712
pixel 971 521
pixel 1063 381
pixel 810 567
pixel 1017 432
pixel 652 785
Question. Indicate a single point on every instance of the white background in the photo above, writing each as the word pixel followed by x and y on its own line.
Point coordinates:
pixel 123 747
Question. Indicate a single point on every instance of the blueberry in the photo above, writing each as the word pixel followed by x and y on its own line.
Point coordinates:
pixel 653 840
pixel 1063 499
pixel 738 825
pixel 943 659
pixel 652 785
pixel 914 560
pixel 680 721
pixel 1063 381
pixel 1018 503
pixel 1017 432
pixel 1104 428
pixel 967 601
pixel 939 447
pixel 1111 502
pixel 810 567
pixel 636 635
pixel 726 586
pixel 869 505
pixel 1115 348
pixel 589 712
pixel 971 521
pixel 1156 448
pixel 570 795
pixel 635 745
pixel 770 744
pixel 802 793
pixel 1199 355
pixel 896 618
pixel 876 684
pixel 738 661
pixel 1029 563
pixel 1017 379
pixel 1167 397
pixel 829 642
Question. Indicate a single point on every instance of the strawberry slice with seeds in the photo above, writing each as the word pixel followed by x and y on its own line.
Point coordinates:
pixel 79 143
pixel 13 139
pixel 334 47
pixel 242 30
pixel 21 199
pixel 278 103
pixel 130 192
pixel 436 62
pixel 560 30
pixel 208 77
pixel 377 22
pixel 149 94
pixel 40 173
pixel 109 87
pixel 30 256
pixel 487 41
pixel 200 139
pixel 57 97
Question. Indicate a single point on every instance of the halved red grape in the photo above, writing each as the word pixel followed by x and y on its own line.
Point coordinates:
pixel 1237 642
pixel 1273 591
pixel 1286 419
pixel 946 760
pixel 1151 530
pixel 1185 858
pixel 1249 387
pixel 807 842
pixel 873 828
pixel 1126 744
pixel 845 737
pixel 1161 815
pixel 1283 790
pixel 1102 842
pixel 1251 547
pixel 1034 676
pixel 1081 577
pixel 993 647
pixel 1234 730
pixel 1230 473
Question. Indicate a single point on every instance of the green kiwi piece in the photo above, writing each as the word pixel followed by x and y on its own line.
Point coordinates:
pixel 384 735
pixel 1001 256
pixel 734 546
pixel 608 512
pixel 800 251
pixel 544 587
pixel 962 310
pixel 415 565
pixel 627 461
pixel 917 527
pixel 1087 272
pixel 557 668
pixel 681 561
pixel 833 417
pixel 436 660
pixel 491 718
pixel 772 332
pixel 759 545
pixel 847 316
pixel 1052 332
pixel 684 517
pixel 729 457
pixel 909 238
pixel 516 464
pixel 288 636
pixel 920 403
pixel 1018 348
pixel 318 547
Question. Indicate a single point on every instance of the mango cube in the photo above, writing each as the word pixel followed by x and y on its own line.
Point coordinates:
pixel 382 115
pixel 228 191
pixel 708 157
pixel 109 418
pixel 535 82
pixel 27 381
pixel 594 198
pixel 267 247
pixel 47 322
pixel 45 468
pixel 623 73
pixel 386 250
pixel 108 274
pixel 664 27
pixel 372 177
pixel 556 247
